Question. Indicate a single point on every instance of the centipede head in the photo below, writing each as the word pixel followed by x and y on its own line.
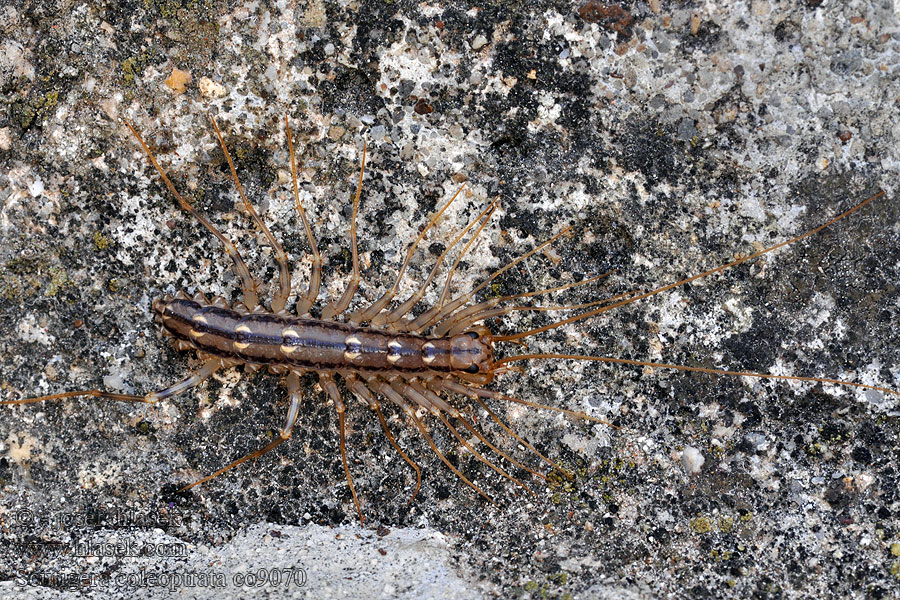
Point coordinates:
pixel 472 353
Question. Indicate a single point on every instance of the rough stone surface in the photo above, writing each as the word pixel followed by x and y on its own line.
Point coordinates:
pixel 671 138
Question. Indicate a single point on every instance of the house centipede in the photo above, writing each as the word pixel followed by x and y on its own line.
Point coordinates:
pixel 421 363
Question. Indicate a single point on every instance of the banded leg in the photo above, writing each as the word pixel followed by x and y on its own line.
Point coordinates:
pixel 375 308
pixel 330 387
pixel 333 309
pixel 284 278
pixel 391 394
pixel 192 381
pixel 315 274
pixel 363 393
pixel 293 384
pixel 248 286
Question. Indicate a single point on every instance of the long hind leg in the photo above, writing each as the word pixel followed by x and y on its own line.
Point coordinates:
pixel 248 286
pixel 293 384
pixel 192 381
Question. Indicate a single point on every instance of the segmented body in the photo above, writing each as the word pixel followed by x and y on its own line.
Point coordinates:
pixel 284 342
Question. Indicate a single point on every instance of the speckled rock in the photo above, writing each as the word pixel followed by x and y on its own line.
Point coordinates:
pixel 671 138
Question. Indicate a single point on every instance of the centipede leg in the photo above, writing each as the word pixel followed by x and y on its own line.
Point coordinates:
pixel 421 428
pixel 284 278
pixel 248 286
pixel 398 313
pixel 418 324
pixel 429 390
pixel 422 323
pixel 185 384
pixel 391 394
pixel 330 387
pixel 396 446
pixel 484 440
pixel 508 429
pixel 454 387
pixel 463 319
pixel 572 413
pixel 315 274
pixel 480 456
pixel 330 311
pixel 363 393
pixel 293 384
pixel 376 307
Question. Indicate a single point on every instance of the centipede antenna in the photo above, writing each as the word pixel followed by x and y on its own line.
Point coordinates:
pixel 641 363
pixel 332 310
pixel 576 318
pixel 378 305
pixel 284 278
pixel 478 455
pixel 396 446
pixel 315 274
pixel 404 308
pixel 248 286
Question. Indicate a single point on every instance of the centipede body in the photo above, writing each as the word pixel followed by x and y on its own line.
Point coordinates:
pixel 418 360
